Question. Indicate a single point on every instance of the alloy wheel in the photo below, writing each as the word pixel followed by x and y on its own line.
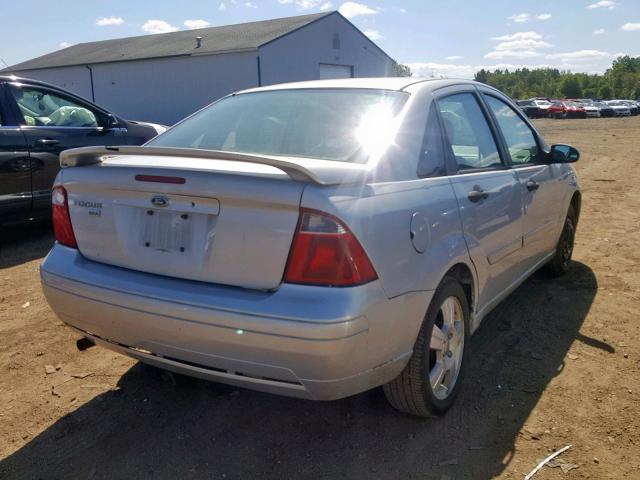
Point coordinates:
pixel 446 348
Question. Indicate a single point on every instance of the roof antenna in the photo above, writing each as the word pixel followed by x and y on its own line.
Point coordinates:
pixel 198 42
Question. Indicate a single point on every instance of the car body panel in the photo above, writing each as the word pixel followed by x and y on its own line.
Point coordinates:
pixel 303 335
pixel 45 142
pixel 15 174
pixel 241 324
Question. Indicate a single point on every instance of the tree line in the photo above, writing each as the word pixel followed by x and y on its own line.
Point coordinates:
pixel 621 80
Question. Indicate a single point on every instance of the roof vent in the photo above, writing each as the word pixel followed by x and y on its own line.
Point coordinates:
pixel 198 42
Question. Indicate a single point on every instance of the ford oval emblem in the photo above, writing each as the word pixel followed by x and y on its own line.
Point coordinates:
pixel 160 201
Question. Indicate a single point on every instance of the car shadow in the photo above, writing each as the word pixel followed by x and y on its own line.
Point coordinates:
pixel 150 428
pixel 23 243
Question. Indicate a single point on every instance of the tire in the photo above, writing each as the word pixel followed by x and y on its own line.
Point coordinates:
pixel 412 391
pixel 561 261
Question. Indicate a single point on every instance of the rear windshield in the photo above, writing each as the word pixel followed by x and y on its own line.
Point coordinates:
pixel 344 125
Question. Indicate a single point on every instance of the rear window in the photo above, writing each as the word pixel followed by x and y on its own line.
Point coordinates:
pixel 346 125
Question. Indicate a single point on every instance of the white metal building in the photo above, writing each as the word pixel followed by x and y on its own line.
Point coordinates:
pixel 165 77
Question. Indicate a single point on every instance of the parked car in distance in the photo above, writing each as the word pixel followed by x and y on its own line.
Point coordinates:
pixel 530 109
pixel 314 239
pixel 592 110
pixel 620 109
pixel 542 104
pixel 605 110
pixel 37 122
pixel 633 107
pixel 563 109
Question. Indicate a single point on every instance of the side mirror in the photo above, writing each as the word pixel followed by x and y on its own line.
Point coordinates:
pixel 563 154
pixel 110 121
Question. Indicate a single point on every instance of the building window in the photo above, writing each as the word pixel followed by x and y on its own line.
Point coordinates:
pixel 336 41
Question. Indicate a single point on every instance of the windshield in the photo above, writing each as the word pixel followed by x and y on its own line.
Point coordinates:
pixel 346 125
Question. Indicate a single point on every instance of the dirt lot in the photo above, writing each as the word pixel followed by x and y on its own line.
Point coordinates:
pixel 556 364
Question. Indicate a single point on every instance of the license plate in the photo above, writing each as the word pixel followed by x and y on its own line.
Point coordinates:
pixel 166 231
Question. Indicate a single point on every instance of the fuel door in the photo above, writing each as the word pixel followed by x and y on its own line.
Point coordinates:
pixel 419 232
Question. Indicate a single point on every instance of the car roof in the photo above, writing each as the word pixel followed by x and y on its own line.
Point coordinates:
pixel 380 83
pixel 13 78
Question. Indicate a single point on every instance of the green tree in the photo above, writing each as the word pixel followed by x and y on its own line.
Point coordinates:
pixel 400 70
pixel 570 87
pixel 621 80
pixel 604 92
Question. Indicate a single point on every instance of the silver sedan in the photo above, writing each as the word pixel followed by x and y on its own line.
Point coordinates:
pixel 315 239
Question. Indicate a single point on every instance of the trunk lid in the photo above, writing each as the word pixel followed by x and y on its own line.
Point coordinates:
pixel 229 222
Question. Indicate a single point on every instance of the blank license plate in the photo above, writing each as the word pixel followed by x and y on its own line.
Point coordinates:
pixel 166 231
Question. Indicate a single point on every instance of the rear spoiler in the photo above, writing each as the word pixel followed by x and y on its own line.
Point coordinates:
pixel 322 172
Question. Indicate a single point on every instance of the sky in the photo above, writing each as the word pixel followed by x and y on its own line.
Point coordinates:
pixel 452 38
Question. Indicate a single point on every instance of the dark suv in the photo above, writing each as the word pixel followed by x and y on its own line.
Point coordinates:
pixel 37 122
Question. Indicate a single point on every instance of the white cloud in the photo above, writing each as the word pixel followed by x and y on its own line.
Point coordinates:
pixel 525 17
pixel 109 21
pixel 326 6
pixel 199 23
pixel 250 5
pixel 454 57
pixel 524 44
pixel 373 34
pixel 518 45
pixel 353 9
pixel 519 36
pixel 502 54
pixel 599 31
pixel 64 44
pixel 222 7
pixel 579 56
pixel 430 69
pixel 453 70
pixel 610 4
pixel 158 26
pixel 520 17
pixel 630 27
pixel 301 4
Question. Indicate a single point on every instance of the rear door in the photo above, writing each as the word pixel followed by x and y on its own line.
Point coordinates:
pixel 542 193
pixel 53 121
pixel 488 192
pixel 15 174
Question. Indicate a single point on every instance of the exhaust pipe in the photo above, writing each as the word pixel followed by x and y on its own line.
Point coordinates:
pixel 84 343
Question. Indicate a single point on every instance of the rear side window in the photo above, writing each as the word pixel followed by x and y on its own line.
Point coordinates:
pixel 520 139
pixel 432 156
pixel 467 132
pixel 40 107
pixel 346 125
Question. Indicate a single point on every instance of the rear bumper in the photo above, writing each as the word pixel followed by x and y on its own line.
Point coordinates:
pixel 309 342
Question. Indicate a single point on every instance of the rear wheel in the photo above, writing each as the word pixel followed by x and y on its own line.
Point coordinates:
pixel 431 380
pixel 559 264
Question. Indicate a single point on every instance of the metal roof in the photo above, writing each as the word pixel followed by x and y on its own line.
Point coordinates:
pixel 228 38
pixel 378 83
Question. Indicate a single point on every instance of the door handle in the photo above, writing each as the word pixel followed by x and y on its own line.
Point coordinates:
pixel 47 141
pixel 477 194
pixel 532 186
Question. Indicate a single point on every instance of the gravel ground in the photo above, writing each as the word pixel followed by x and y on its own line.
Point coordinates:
pixel 555 364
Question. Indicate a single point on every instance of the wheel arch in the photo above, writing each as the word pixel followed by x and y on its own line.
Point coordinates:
pixel 576 203
pixel 463 273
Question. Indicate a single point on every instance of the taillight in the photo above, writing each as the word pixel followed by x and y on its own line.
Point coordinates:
pixel 325 252
pixel 62 229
